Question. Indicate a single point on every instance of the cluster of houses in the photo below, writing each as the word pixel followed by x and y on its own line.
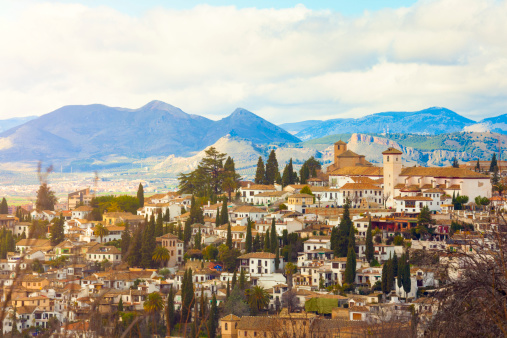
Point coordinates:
pixel 39 287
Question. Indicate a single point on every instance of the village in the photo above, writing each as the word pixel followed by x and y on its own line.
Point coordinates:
pixel 352 250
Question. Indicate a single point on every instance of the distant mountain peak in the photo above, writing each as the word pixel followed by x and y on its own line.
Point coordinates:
pixel 157 105
pixel 242 112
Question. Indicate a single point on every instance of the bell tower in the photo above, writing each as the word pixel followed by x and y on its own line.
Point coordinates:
pixel 392 171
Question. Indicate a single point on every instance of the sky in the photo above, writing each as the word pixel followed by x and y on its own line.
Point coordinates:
pixel 286 61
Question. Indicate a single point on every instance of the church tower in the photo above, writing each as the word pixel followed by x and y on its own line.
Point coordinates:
pixel 392 171
pixel 339 148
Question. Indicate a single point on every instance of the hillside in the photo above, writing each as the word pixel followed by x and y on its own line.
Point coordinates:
pixel 14 122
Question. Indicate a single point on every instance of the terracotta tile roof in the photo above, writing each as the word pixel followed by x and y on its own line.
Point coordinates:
pixel 231 317
pixel 249 209
pixel 83 208
pixel 392 151
pixel 300 196
pixel 271 194
pixel 261 255
pixel 358 171
pixel 349 153
pixel 434 190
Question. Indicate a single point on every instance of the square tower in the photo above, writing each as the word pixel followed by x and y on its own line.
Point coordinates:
pixel 392 171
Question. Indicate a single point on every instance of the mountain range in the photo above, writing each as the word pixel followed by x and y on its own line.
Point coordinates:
pixel 89 137
pixel 156 129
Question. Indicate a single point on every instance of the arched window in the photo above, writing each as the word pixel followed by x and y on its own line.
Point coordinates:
pixel 226 326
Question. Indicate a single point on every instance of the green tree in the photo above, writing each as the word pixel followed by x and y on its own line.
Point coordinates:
pixel 170 312
pixel 234 280
pixel 153 305
pixel 125 241
pixel 213 319
pixel 342 239
pixel 217 218
pixel 208 178
pixel 277 258
pixel 455 163
pixel 4 208
pixel 256 246
pixel 140 195
pixel 306 190
pixel 100 231
pixel 159 227
pixel 235 304
pixel 224 215
pixel 274 238
pixel 248 240
pixel 267 242
pixel 477 166
pixel 400 271
pixel 198 239
pixel 187 296
pixel 133 257
pixel 161 255
pixel 258 298
pixel 407 283
pixel 242 279
pixel 369 251
pixel 210 252
pixel 46 198
pixel 57 231
pixel 271 168
pixel 228 242
pixel 350 268
pixel 260 173
pixel 493 166
pixel 120 305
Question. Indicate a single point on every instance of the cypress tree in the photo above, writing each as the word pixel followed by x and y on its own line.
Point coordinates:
pixel 224 214
pixel 213 318
pixel 256 243
pixel 292 174
pixel 120 305
pixel 133 258
pixel 390 275
pixel 274 238
pixel 248 240
pixel 286 176
pixel 57 231
pixel 395 265
pixel 242 280
pixel 187 232
pixel 350 268
pixel 188 300
pixel 125 241
pixel 229 237
pixel 260 173
pixel 169 311
pixel 146 248
pixel 401 271
pixel 478 166
pixel 493 165
pixel 407 282
pixel 369 251
pixel 384 282
pixel 277 259
pixel 334 238
pixel 266 242
pixel 197 239
pixel 271 168
pixel 341 249
pixel 159 228
pixel 217 218
pixel 140 195
pixel 4 208
pixel 228 292
pixel 233 284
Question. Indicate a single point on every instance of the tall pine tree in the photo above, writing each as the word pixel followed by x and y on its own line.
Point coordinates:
pixel 4 208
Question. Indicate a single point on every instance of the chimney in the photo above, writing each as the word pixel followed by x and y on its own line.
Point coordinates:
pixel 249 185
pixel 209 203
pixel 433 183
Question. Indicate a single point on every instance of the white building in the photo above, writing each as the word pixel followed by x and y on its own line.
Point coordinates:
pixel 259 263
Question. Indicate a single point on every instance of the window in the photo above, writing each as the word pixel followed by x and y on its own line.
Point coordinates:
pixel 226 326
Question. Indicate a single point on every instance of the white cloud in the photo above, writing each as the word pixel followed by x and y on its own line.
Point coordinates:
pixel 286 65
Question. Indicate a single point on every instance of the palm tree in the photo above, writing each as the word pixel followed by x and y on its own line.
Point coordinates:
pixel 258 298
pixel 100 231
pixel 160 255
pixel 153 305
